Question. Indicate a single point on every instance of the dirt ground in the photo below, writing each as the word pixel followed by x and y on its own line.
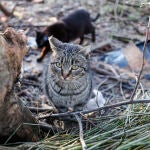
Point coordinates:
pixel 118 24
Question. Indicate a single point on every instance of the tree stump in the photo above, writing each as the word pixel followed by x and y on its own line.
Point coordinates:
pixel 15 119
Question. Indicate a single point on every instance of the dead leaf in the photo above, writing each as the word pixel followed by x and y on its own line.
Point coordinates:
pixel 134 57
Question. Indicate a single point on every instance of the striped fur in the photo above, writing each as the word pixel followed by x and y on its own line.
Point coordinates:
pixel 67 77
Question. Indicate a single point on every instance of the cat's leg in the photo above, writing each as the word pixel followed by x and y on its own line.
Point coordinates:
pixel 81 39
pixel 42 54
pixel 93 34
pixel 79 107
pixel 62 109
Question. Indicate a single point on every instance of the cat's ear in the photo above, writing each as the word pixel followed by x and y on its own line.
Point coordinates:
pixel 86 50
pixel 54 44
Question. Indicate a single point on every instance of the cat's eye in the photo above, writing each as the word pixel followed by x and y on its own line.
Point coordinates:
pixel 58 65
pixel 75 67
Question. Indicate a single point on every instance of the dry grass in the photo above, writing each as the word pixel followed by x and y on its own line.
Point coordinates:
pixel 129 128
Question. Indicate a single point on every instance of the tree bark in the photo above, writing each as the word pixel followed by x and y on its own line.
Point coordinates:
pixel 15 118
pixel 5 11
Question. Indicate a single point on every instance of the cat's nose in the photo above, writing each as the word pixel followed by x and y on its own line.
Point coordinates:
pixel 65 75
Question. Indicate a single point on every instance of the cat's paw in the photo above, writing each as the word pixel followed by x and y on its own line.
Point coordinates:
pixel 39 59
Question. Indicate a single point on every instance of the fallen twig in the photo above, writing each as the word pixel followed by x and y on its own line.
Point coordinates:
pixel 38 110
pixel 84 147
pixel 124 38
pixel 28 26
pixel 100 45
pixel 110 72
pixel 46 128
pixel 85 117
pixel 127 3
pixel 143 61
pixel 97 109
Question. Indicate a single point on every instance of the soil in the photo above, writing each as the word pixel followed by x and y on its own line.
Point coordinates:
pixel 118 23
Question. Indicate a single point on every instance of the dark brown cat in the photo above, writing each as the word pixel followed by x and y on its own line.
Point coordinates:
pixel 69 28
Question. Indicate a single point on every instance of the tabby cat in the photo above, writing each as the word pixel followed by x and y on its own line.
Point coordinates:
pixel 67 77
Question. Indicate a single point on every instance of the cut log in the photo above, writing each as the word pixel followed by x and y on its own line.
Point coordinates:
pixel 5 11
pixel 15 119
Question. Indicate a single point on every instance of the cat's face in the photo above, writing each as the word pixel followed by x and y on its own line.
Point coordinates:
pixel 68 62
pixel 41 39
pixel 68 66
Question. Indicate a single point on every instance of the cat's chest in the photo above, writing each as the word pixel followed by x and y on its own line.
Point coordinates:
pixel 69 98
pixel 68 93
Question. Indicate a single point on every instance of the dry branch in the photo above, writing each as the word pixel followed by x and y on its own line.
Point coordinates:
pixel 127 3
pixel 98 109
pixel 84 147
pixel 101 45
pixel 143 61
pixel 38 110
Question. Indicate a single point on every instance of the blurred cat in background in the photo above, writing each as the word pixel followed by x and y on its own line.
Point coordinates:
pixel 69 28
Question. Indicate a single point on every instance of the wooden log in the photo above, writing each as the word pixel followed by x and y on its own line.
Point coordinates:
pixel 15 119
pixel 5 11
